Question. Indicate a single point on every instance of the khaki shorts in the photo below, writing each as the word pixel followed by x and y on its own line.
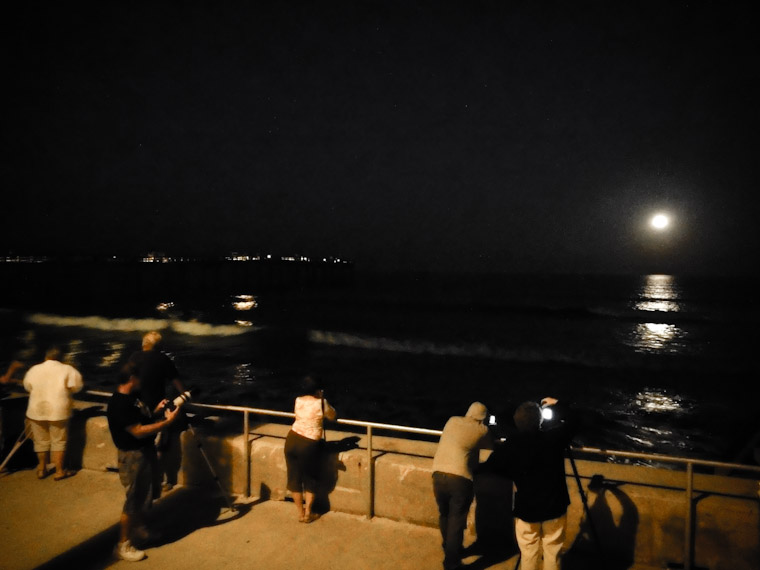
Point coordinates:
pixel 136 474
pixel 49 436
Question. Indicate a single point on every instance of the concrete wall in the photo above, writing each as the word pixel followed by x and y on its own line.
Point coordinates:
pixel 638 513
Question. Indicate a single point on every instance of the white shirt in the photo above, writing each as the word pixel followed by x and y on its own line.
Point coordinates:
pixel 309 416
pixel 50 386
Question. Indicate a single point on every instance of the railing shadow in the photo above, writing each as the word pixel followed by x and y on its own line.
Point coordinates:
pixel 330 468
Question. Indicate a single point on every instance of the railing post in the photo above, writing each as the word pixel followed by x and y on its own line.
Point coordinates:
pixel 370 476
pixel 689 534
pixel 247 454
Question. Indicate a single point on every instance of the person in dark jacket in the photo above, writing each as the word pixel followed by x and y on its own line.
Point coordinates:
pixel 156 371
pixel 534 459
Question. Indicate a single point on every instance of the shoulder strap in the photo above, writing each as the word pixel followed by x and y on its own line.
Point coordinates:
pixel 324 431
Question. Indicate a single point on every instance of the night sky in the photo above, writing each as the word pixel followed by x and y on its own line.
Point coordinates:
pixel 472 136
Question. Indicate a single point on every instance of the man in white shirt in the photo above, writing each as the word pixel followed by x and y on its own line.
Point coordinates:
pixel 50 386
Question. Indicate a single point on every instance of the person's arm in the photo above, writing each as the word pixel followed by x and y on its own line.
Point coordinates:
pixel 27 382
pixel 488 440
pixel 74 382
pixel 142 431
pixel 564 422
pixel 170 371
pixel 329 411
pixel 177 383
pixel 8 376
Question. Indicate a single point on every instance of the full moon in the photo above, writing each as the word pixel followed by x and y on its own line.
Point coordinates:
pixel 660 222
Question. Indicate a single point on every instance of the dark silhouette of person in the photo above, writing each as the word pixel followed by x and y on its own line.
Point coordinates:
pixel 534 459
pixel 156 370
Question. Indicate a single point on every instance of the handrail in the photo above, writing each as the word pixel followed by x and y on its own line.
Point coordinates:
pixel 689 463
pixel 434 432
pixel 667 459
pixel 280 414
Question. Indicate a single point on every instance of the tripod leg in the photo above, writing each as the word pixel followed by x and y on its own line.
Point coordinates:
pixel 210 467
pixel 584 499
pixel 19 442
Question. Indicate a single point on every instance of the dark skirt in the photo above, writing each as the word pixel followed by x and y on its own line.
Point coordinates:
pixel 302 457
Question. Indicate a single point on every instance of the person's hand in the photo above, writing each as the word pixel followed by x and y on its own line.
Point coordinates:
pixel 171 415
pixel 549 401
pixel 161 405
pixel 15 365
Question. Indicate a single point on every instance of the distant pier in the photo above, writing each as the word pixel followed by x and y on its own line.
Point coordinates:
pixel 75 281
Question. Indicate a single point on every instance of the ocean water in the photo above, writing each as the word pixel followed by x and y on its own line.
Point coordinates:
pixel 654 363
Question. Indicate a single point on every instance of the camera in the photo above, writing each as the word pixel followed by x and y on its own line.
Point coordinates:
pixel 185 396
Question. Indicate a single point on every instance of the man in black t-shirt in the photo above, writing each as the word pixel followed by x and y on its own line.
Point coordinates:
pixel 156 370
pixel 133 430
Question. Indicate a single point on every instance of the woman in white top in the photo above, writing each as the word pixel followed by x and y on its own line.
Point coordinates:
pixel 50 386
pixel 303 445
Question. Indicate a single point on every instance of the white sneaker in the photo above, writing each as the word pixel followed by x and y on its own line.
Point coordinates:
pixel 126 551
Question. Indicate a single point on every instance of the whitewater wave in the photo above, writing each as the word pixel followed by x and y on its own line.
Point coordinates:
pixel 195 328
pixel 519 354
pixel 192 328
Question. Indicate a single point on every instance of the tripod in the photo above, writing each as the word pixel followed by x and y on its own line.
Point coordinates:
pixel 230 505
pixel 583 498
pixel 26 434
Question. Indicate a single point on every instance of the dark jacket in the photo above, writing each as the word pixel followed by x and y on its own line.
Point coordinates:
pixel 535 462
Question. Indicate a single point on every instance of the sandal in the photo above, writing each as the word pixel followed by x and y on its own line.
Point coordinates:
pixel 66 473
pixel 42 473
pixel 311 518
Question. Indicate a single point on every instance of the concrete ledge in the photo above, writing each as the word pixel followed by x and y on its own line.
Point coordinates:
pixel 639 513
pixel 404 489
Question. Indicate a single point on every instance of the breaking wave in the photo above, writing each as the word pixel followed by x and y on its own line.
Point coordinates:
pixel 481 350
pixel 192 328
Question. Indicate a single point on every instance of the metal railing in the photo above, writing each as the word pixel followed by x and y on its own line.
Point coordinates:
pixel 687 462
pixel 368 426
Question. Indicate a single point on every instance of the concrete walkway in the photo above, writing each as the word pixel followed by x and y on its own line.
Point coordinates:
pixel 72 524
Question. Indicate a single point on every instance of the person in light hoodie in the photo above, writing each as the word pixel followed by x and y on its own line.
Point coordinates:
pixel 457 456
pixel 51 385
